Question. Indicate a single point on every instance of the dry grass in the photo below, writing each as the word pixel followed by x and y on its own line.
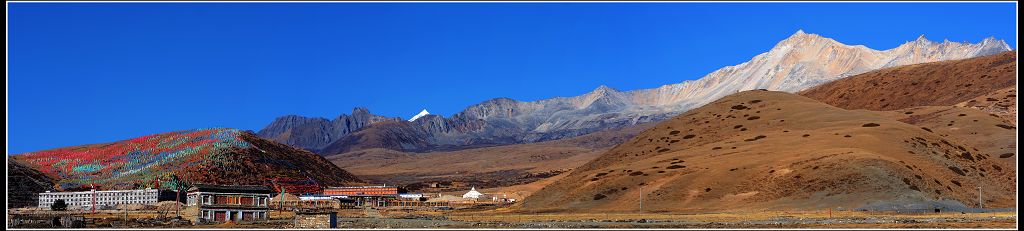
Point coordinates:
pixel 278 215
pixel 842 164
pixel 121 215
pixel 714 217
pixel 943 83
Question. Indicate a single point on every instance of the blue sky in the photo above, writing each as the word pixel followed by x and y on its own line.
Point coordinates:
pixel 88 73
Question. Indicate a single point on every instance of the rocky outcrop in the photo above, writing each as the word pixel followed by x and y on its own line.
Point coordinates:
pixel 806 60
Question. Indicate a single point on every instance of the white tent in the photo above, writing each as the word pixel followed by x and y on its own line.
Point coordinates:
pixel 472 194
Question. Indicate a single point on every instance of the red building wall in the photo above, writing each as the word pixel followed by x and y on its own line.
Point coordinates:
pixel 369 191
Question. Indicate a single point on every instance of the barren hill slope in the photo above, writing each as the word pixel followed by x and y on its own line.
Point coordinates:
pixel 24 184
pixel 484 167
pixel 942 83
pixel 983 132
pixel 393 135
pixel 1002 103
pixel 212 156
pixel 761 150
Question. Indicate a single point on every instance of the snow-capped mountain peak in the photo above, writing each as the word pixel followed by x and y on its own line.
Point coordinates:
pixel 417 116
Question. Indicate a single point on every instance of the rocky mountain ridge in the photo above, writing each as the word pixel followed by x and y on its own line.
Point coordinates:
pixel 796 63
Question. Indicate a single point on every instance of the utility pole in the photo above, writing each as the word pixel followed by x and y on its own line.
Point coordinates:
pixel 641 198
pixel 980 205
pixel 177 199
pixel 93 198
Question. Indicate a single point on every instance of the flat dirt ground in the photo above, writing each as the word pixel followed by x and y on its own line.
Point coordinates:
pixel 815 219
pixel 501 218
pixel 504 218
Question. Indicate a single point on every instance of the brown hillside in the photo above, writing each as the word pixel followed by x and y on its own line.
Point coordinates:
pixel 760 150
pixel 985 133
pixel 1002 103
pixel 25 183
pixel 394 135
pixel 928 84
pixel 483 167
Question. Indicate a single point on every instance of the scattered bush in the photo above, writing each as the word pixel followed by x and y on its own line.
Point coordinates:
pixel 1008 127
pixel 967 155
pixel 957 171
pixel 758 137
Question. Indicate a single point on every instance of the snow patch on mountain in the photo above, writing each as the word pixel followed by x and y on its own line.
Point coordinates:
pixel 417 116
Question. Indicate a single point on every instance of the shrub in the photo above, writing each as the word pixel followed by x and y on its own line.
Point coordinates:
pixel 59 205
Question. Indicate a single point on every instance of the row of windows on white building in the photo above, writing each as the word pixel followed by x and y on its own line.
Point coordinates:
pixel 102 198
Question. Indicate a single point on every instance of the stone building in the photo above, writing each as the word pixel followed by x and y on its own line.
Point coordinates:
pixel 316 220
pixel 220 203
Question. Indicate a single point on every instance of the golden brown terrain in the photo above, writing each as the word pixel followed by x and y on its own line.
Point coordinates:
pixel 761 150
pixel 790 219
pixel 1002 103
pixel 505 218
pixel 483 167
pixel 943 83
pixel 991 135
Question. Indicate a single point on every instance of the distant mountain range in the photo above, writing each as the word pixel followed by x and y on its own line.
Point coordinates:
pixel 794 64
pixel 916 136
